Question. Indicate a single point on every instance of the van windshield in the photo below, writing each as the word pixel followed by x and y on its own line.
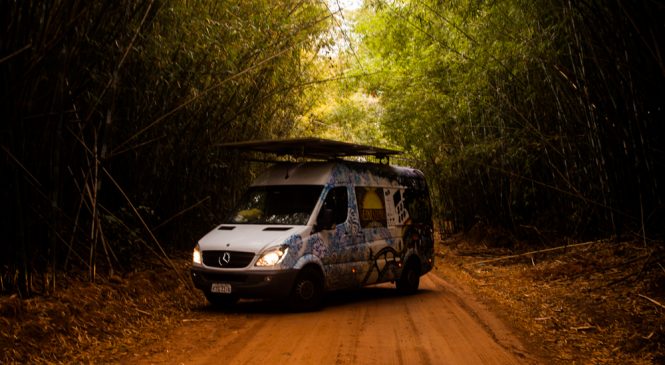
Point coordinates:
pixel 277 204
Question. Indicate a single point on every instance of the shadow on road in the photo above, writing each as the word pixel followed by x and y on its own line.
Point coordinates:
pixel 341 298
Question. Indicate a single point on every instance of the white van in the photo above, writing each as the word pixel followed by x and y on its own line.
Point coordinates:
pixel 306 228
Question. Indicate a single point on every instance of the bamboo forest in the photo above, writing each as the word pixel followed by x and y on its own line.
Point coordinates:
pixel 537 125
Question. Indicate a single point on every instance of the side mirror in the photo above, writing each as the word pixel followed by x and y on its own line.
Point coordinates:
pixel 324 220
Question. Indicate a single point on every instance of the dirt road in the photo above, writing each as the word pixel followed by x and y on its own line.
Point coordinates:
pixel 439 325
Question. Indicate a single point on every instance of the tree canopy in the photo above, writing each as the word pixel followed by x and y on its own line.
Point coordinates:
pixel 544 118
pixel 112 113
pixel 535 116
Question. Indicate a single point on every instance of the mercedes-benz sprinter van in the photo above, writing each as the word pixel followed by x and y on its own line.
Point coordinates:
pixel 306 228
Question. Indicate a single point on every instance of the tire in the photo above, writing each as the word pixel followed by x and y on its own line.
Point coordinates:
pixel 221 301
pixel 307 292
pixel 410 280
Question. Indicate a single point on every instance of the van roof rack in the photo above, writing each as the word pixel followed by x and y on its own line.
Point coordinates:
pixel 317 148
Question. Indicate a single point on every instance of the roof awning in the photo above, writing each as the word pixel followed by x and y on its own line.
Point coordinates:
pixel 317 148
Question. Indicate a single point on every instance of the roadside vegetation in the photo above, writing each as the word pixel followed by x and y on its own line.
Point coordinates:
pixel 585 303
pixel 541 122
pixel 589 303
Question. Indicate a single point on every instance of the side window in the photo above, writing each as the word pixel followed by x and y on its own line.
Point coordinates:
pixel 337 200
pixel 418 205
pixel 371 207
pixel 400 210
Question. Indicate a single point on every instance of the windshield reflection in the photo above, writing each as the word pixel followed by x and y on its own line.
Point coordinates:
pixel 277 204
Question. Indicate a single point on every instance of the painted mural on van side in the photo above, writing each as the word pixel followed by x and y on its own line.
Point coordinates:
pixel 380 221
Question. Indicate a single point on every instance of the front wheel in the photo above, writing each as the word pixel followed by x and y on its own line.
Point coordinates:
pixel 410 280
pixel 307 292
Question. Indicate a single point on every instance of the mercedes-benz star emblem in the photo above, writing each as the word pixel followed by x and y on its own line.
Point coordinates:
pixel 226 257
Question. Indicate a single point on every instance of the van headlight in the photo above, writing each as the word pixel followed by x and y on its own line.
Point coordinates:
pixel 196 256
pixel 273 256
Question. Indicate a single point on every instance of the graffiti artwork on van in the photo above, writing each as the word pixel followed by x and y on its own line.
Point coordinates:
pixel 384 266
pixel 410 211
pixel 385 222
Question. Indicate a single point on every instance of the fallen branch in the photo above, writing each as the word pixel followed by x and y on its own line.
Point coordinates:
pixel 652 301
pixel 143 312
pixel 584 328
pixel 535 252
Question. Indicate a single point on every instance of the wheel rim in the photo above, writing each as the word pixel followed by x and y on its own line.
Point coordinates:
pixel 306 290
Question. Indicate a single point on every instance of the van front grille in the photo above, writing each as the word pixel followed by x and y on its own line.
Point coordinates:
pixel 224 277
pixel 227 259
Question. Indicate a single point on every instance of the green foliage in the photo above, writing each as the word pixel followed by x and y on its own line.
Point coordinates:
pixel 353 117
pixel 525 114
pixel 233 72
pixel 110 106
pixel 518 112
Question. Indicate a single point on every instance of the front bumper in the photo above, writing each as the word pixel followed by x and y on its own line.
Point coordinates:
pixel 247 284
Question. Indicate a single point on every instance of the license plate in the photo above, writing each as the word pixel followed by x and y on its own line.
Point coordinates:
pixel 221 288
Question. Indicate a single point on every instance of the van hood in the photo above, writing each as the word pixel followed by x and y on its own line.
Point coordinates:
pixel 247 237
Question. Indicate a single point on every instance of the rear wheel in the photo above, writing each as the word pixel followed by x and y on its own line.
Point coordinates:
pixel 221 300
pixel 410 280
pixel 307 292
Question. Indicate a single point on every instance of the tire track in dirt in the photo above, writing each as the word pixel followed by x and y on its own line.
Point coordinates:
pixel 357 328
pixel 498 330
pixel 374 325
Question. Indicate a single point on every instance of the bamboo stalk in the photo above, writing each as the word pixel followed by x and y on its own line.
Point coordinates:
pixel 166 221
pixel 145 225
pixel 536 252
